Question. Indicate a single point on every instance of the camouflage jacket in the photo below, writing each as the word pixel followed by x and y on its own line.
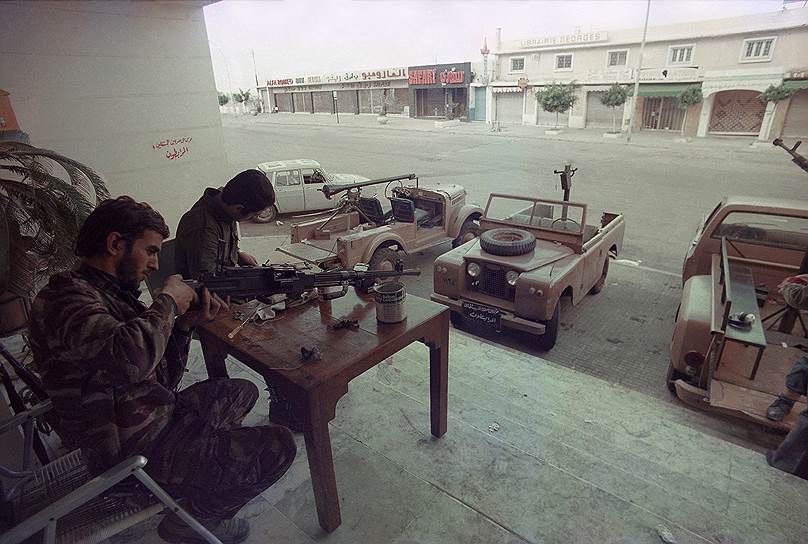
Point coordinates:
pixel 198 235
pixel 795 295
pixel 110 364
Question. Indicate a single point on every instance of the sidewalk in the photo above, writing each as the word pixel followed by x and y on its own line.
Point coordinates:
pixel 479 128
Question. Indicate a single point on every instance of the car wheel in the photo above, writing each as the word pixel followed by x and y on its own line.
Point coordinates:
pixel 456 319
pixel 267 216
pixel 672 376
pixel 383 258
pixel 598 287
pixel 547 340
pixel 507 242
pixel 469 231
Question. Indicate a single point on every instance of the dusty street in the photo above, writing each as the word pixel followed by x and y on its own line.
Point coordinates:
pixel 664 189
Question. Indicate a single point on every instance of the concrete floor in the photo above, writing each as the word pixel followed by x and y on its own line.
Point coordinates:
pixel 534 453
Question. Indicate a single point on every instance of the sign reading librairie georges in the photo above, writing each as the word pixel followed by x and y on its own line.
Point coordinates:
pixel 365 76
pixel 440 75
pixel 565 39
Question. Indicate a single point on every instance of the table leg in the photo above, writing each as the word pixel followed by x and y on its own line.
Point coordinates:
pixel 321 464
pixel 438 342
pixel 214 351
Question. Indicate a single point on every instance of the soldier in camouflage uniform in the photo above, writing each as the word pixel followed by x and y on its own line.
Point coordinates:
pixel 112 367
pixel 211 223
pixel 792 455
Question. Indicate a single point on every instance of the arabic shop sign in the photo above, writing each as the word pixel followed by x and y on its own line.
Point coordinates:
pixel 440 75
pixel 565 39
pixel 386 74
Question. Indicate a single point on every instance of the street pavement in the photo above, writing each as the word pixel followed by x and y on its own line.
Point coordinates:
pixel 662 186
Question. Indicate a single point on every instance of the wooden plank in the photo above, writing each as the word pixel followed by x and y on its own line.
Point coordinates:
pixel 750 404
pixel 737 360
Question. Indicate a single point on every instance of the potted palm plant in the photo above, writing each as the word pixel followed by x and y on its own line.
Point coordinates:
pixel 44 199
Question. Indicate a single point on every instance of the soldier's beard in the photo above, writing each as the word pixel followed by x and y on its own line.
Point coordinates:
pixel 126 271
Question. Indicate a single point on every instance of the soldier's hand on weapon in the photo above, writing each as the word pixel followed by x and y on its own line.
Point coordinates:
pixel 209 308
pixel 245 259
pixel 183 295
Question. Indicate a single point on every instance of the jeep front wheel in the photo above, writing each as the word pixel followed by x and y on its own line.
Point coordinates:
pixel 383 258
pixel 546 341
pixel 267 216
pixel 469 231
pixel 507 242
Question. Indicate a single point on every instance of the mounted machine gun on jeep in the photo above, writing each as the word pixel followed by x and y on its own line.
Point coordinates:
pixel 797 159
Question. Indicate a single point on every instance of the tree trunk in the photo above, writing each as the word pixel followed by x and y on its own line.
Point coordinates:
pixel 556 123
pixel 684 122
pixel 613 121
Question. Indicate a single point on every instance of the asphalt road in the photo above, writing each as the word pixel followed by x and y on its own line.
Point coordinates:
pixel 620 335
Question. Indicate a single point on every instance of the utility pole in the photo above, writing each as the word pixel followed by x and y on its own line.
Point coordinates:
pixel 257 90
pixel 635 98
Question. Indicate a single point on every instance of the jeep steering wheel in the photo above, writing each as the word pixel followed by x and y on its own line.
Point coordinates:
pixel 566 220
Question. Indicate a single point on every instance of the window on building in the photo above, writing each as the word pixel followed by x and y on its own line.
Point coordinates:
pixel 518 64
pixel 618 58
pixel 681 54
pixel 757 50
pixel 563 62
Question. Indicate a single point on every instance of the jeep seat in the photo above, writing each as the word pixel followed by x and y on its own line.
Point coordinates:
pixel 373 210
pixel 404 210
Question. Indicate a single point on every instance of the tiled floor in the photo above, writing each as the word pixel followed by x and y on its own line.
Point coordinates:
pixel 534 453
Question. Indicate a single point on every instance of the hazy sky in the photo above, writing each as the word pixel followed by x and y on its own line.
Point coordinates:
pixel 301 37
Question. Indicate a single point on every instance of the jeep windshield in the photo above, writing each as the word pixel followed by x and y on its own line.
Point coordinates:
pixel 545 214
pixel 781 231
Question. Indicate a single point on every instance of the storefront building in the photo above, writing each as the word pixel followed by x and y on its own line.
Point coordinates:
pixel 440 90
pixel 367 91
pixel 731 60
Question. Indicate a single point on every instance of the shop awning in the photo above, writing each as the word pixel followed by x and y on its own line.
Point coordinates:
pixel 796 84
pixel 506 89
pixel 663 89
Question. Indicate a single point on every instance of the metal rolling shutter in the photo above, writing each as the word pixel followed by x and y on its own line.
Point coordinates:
pixel 598 115
pixel 796 125
pixel 509 108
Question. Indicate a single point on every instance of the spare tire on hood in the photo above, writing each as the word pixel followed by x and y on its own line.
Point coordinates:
pixel 507 242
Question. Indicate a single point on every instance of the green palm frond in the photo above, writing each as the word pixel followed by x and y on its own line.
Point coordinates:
pixel 42 213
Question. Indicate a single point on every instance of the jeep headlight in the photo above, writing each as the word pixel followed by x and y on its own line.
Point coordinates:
pixel 511 277
pixel 473 270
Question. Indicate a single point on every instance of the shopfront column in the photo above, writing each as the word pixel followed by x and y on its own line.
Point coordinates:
pixel 706 113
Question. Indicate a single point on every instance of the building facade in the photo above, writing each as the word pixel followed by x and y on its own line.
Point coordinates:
pixel 366 91
pixel 732 61
pixel 440 90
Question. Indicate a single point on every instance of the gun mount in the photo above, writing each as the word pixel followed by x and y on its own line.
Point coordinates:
pixel 333 189
pixel 797 159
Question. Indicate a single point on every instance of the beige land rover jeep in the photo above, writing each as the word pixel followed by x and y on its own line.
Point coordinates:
pixel 531 252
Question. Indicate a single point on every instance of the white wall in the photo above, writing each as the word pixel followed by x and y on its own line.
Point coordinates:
pixel 103 82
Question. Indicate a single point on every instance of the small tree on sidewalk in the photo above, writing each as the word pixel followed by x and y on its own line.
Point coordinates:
pixel 613 98
pixel 223 98
pixel 557 98
pixel 689 97
pixel 242 97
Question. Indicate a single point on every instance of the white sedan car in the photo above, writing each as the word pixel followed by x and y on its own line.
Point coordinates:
pixel 297 185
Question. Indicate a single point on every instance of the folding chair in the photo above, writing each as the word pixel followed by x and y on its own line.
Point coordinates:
pixel 64 501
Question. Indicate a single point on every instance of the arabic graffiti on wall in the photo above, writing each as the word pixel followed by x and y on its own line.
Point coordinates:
pixel 177 148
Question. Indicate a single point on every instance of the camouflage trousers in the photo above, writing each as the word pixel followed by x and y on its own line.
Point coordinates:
pixel 207 461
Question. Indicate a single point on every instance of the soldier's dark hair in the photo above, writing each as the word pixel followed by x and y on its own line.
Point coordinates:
pixel 251 189
pixel 131 219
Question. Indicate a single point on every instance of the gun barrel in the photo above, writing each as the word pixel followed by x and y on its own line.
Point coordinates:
pixel 330 190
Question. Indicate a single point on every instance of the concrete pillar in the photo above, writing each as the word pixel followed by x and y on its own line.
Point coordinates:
pixel 768 119
pixel 704 118
pixel 490 110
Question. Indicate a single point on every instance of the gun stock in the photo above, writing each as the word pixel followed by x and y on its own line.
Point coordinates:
pixel 797 159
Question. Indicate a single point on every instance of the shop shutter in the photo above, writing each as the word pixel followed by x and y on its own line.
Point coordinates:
pixel 323 103
pixel 737 112
pixel 598 115
pixel 796 125
pixel 346 101
pixel 509 108
pixel 283 101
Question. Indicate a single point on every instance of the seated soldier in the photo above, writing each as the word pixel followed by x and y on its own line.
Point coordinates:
pixel 112 367
pixel 214 218
pixel 792 454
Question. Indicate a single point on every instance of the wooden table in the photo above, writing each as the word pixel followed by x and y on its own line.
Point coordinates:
pixel 272 349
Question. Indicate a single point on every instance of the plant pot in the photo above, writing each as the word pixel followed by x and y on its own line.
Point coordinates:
pixel 552 132
pixel 382 119
pixel 612 135
pixel 14 313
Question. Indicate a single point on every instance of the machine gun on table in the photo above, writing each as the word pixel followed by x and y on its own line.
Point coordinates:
pixel 797 159
pixel 247 283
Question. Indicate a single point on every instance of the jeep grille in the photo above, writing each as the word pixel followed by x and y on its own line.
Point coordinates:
pixel 492 282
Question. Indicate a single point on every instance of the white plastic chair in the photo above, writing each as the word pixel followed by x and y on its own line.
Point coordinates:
pixel 69 505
